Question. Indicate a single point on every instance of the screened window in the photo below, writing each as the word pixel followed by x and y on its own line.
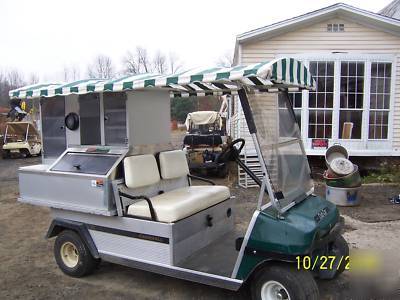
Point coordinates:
pixel 379 100
pixel 321 100
pixel 351 99
pixel 297 100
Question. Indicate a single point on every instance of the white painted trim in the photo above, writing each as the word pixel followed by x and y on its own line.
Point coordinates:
pixel 392 101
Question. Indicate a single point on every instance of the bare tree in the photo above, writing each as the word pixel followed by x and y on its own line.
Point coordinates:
pixel 71 73
pixel 160 63
pixel 9 80
pixel 15 79
pixel 138 62
pixel 102 68
pixel 33 78
pixel 174 63
pixel 131 63
pixel 225 60
pixel 143 59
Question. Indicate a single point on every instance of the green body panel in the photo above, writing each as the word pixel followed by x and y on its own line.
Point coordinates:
pixel 292 234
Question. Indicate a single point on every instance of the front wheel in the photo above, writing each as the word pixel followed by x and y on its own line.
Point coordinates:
pixel 72 255
pixel 284 282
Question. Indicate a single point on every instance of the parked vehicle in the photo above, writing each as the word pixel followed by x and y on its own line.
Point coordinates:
pixel 135 203
pixel 205 140
pixel 21 138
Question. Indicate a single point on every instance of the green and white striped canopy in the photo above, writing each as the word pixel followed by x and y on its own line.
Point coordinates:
pixel 280 73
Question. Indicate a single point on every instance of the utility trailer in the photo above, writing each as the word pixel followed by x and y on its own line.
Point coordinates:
pixel 134 202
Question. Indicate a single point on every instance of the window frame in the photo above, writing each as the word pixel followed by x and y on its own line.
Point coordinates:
pixel 389 110
pixel 359 144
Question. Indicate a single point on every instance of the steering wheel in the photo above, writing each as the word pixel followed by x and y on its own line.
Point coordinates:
pixel 230 153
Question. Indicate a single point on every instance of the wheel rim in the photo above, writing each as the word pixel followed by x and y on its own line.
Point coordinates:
pixel 273 290
pixel 69 254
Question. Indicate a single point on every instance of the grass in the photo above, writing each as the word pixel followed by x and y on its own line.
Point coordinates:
pixel 386 174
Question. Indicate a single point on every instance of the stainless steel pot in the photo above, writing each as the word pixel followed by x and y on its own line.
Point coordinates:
pixel 335 151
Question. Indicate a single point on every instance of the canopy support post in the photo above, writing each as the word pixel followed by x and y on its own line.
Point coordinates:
pixel 244 101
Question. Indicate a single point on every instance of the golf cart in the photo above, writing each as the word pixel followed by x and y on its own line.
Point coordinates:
pixel 204 142
pixel 136 203
pixel 21 138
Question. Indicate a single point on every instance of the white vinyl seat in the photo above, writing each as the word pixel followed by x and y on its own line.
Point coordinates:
pixel 180 203
pixel 173 205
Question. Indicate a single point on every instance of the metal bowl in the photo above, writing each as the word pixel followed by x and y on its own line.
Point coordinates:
pixel 335 151
pixel 348 181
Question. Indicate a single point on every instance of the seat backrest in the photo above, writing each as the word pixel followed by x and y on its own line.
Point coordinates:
pixel 140 171
pixel 173 164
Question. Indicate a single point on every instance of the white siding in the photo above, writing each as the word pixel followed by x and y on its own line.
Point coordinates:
pixel 356 38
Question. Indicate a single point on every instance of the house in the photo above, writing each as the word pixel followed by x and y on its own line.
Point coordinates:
pixel 354 56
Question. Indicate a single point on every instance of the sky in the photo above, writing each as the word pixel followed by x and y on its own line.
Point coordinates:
pixel 44 36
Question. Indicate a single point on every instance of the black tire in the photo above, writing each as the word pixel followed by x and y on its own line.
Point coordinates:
pixel 5 154
pixel 24 153
pixel 297 284
pixel 223 171
pixel 86 263
pixel 340 249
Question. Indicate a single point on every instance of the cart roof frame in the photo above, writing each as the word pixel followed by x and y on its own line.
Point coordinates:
pixel 282 73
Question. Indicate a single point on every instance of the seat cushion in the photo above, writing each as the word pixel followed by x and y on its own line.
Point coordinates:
pixel 141 170
pixel 180 203
pixel 173 164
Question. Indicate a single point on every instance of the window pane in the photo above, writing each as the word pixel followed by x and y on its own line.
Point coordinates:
pixel 321 100
pixel 313 68
pixel 329 100
pixel 312 102
pixel 352 87
pixel 360 85
pixel 350 124
pixel 372 103
pixel 321 69
pixel 330 68
pixel 374 69
pixel 351 84
pixel 329 84
pixel 381 70
pixel 360 69
pixel 378 124
pixel 320 84
pixel 386 104
pixel 351 101
pixel 352 69
pixel 388 70
pixel 373 85
pixel 320 124
pixel 387 85
pixel 379 101
pixel 344 67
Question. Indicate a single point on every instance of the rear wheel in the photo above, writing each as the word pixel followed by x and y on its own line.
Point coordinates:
pixel 284 282
pixel 222 172
pixel 24 153
pixel 72 255
pixel 5 154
